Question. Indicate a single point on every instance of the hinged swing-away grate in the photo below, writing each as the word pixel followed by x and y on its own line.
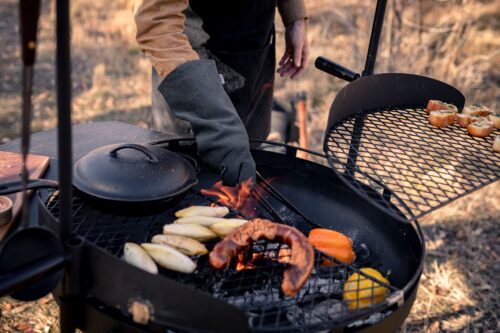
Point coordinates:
pixel 409 162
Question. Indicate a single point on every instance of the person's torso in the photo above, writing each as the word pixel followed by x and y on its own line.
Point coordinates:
pixel 236 25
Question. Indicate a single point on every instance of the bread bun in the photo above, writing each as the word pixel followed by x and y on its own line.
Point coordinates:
pixel 481 128
pixel 452 116
pixel 464 120
pixel 435 105
pixel 495 119
pixel 441 118
pixel 496 144
pixel 477 109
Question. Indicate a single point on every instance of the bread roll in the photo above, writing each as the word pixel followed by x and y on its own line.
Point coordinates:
pixel 441 118
pixel 435 105
pixel 495 119
pixel 477 109
pixel 464 119
pixel 496 144
pixel 481 128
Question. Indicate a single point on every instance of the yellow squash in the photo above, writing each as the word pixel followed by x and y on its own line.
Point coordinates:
pixel 361 292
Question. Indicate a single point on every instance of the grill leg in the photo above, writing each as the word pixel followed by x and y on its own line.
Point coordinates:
pixel 354 146
pixel 70 309
pixel 67 323
pixel 378 22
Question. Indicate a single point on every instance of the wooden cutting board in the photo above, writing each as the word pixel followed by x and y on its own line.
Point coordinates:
pixel 10 170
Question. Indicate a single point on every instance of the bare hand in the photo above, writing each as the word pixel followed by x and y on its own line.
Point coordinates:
pixel 294 60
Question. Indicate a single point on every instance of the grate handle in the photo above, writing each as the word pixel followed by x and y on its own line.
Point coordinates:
pixel 331 67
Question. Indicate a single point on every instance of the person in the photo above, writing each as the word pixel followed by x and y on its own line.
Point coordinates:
pixel 213 72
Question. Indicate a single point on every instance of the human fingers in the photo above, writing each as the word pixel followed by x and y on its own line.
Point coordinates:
pixel 285 57
pixel 301 69
pixel 297 52
pixel 288 69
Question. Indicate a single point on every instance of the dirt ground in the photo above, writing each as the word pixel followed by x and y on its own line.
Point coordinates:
pixel 457 41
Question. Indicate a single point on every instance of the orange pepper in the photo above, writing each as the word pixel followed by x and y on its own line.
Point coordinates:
pixel 334 244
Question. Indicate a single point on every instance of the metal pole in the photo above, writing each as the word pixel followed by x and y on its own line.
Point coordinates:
pixel 63 67
pixel 29 12
pixel 378 22
pixel 64 138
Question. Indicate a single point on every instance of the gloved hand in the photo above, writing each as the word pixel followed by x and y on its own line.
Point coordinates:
pixel 194 93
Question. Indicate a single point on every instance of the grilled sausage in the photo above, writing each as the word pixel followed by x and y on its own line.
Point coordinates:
pixel 302 253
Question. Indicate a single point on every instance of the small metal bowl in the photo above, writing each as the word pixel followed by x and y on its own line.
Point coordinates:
pixel 5 210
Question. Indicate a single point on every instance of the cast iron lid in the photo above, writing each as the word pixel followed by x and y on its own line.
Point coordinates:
pixel 133 173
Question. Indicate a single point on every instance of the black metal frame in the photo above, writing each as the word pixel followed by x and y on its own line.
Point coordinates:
pixel 99 318
pixel 71 283
pixel 71 261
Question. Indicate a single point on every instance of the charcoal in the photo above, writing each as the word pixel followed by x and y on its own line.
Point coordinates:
pixel 322 286
pixel 295 315
pixel 329 309
pixel 257 300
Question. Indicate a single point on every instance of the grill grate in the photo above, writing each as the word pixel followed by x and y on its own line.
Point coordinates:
pixel 256 291
pixel 396 151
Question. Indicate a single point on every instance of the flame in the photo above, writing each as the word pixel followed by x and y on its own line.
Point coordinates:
pixel 283 257
pixel 241 265
pixel 238 198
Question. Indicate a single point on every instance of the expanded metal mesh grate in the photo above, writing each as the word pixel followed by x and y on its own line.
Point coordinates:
pixel 396 151
pixel 256 289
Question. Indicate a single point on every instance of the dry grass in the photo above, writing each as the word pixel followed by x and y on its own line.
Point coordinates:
pixel 460 285
pixel 458 43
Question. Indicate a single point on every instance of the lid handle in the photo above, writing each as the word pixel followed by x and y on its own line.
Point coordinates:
pixel 192 160
pixel 150 154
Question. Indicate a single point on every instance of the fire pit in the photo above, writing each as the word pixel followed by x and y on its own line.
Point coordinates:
pixel 251 285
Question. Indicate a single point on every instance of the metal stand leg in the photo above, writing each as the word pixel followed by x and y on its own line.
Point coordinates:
pixel 354 146
pixel 378 22
pixel 71 306
pixel 71 280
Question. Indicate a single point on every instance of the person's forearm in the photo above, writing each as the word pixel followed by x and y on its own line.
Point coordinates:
pixel 292 10
pixel 160 34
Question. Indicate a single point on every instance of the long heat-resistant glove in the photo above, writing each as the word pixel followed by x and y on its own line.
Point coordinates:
pixel 194 93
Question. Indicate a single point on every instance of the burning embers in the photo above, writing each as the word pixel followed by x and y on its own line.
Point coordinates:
pixel 251 260
pixel 238 198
